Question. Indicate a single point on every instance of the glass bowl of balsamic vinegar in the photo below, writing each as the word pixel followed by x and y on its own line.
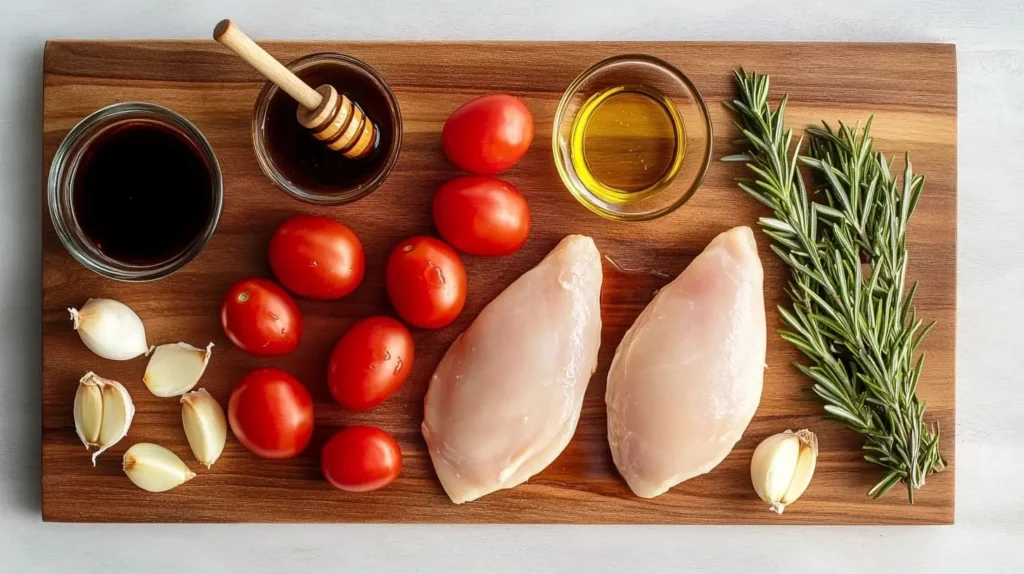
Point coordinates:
pixel 135 191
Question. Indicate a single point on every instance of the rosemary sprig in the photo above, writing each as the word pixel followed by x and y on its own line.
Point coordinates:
pixel 848 257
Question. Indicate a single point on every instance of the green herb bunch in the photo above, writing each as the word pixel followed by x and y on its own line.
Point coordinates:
pixel 852 315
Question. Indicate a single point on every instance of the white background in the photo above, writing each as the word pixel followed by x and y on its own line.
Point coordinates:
pixel 989 528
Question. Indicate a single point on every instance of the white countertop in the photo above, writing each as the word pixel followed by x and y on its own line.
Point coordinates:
pixel 989 525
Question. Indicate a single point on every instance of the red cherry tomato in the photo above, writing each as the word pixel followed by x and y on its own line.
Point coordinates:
pixel 426 282
pixel 488 135
pixel 271 413
pixel 316 257
pixel 361 459
pixel 260 317
pixel 370 363
pixel 481 215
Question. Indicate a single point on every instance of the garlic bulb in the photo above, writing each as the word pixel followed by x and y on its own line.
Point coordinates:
pixel 110 329
pixel 154 468
pixel 103 412
pixel 205 426
pixel 175 368
pixel 782 467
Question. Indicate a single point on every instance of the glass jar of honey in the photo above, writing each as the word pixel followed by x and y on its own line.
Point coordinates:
pixel 303 166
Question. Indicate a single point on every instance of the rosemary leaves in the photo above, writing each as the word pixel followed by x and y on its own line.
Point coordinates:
pixel 852 314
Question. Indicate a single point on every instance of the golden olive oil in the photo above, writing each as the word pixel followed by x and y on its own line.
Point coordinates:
pixel 627 143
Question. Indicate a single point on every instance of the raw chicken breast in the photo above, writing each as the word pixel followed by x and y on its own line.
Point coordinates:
pixel 686 379
pixel 505 399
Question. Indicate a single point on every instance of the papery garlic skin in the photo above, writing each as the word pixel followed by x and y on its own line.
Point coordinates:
pixel 205 426
pixel 782 467
pixel 103 412
pixel 110 329
pixel 154 468
pixel 175 368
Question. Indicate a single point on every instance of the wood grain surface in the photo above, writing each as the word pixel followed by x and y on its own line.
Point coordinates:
pixel 911 90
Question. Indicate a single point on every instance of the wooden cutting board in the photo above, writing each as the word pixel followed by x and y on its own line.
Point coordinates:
pixel 910 88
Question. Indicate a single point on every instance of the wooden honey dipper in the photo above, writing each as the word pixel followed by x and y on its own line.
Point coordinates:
pixel 332 117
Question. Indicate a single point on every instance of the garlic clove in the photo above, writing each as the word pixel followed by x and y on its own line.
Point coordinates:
pixel 175 368
pixel 805 466
pixel 782 467
pixel 154 468
pixel 118 412
pixel 205 426
pixel 88 412
pixel 110 329
pixel 103 412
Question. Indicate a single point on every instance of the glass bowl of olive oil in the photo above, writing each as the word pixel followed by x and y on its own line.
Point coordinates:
pixel 632 138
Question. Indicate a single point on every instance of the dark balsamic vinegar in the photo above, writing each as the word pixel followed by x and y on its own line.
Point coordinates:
pixel 307 161
pixel 143 193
